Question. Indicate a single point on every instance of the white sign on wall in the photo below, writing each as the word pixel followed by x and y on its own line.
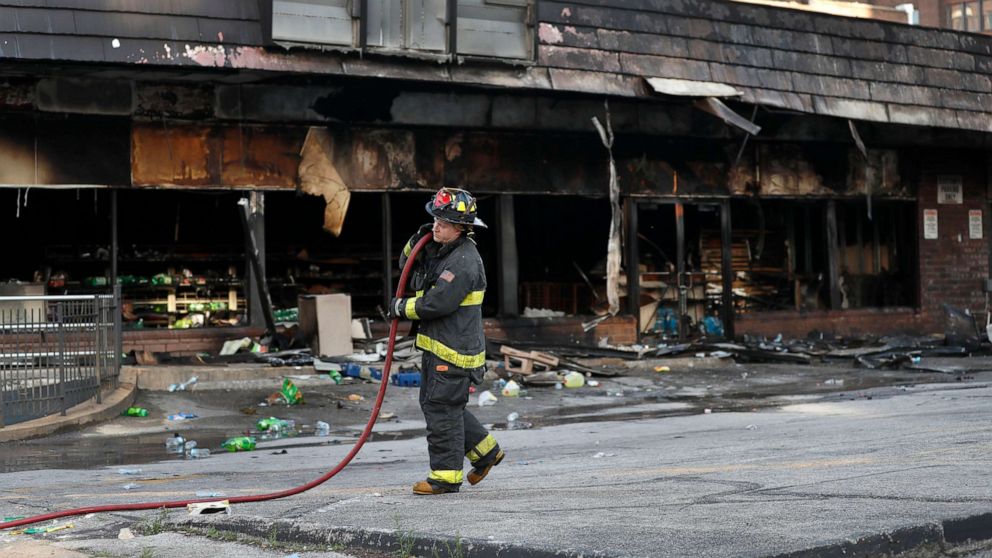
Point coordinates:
pixel 974 223
pixel 930 224
pixel 949 189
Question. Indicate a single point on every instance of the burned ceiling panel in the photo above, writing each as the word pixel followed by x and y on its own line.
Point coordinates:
pixel 64 151
pixel 172 154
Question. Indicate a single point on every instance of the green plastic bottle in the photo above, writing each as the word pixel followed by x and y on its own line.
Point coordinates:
pixel 335 375
pixel 240 443
pixel 135 412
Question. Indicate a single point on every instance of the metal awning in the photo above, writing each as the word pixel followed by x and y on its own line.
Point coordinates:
pixel 687 88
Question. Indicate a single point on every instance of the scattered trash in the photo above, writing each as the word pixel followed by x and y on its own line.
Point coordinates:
pixel 512 416
pixel 239 443
pixel 129 471
pixel 707 411
pixel 751 427
pixel 574 380
pixel 291 393
pixel 135 412
pixel 662 369
pixel 324 429
pixel 487 398
pixel 602 454
pixel 125 534
pixel 249 410
pixel 283 452
pixel 183 416
pixel 238 345
pixel 406 379
pixel 558 385
pixel 175 444
pixel 208 494
pixel 511 389
pixel 274 424
pixel 204 508
pixel 386 416
pixel 43 530
pixel 198 453
pixel 130 486
pixel 833 382
pixel 355 397
pixel 182 386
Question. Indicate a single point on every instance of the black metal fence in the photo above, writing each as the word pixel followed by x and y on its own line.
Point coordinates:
pixel 56 352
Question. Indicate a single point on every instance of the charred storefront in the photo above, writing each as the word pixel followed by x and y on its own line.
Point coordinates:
pixel 763 184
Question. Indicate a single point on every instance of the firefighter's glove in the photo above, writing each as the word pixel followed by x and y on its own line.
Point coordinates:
pixel 395 310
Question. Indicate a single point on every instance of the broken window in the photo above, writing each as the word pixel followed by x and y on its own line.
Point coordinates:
pixel 491 28
pixel 780 259
pixel 561 250
pixel 327 22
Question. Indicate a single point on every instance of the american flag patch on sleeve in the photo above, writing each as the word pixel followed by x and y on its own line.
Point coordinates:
pixel 447 276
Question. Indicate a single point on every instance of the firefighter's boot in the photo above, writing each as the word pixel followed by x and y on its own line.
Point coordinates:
pixel 425 488
pixel 478 473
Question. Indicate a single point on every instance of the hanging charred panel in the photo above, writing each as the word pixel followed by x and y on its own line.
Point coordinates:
pixel 167 154
pixel 42 151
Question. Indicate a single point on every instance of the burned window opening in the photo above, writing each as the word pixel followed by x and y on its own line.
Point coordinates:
pixel 561 243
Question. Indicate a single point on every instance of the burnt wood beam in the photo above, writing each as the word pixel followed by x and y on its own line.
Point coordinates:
pixel 680 265
pixel 509 277
pixel 726 270
pixel 387 250
pixel 631 246
pixel 833 250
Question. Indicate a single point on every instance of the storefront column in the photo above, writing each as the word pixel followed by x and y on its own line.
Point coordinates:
pixel 833 255
pixel 633 264
pixel 113 237
pixel 509 276
pixel 726 270
pixel 388 289
pixel 256 221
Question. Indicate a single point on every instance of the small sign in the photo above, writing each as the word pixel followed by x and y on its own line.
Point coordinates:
pixel 949 189
pixel 930 224
pixel 974 224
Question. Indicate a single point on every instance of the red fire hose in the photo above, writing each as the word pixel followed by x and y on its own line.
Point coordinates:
pixel 272 495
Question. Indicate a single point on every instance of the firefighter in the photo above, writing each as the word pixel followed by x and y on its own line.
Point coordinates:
pixel 450 282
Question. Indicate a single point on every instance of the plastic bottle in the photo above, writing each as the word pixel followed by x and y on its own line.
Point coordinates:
pixel 190 445
pixel 135 412
pixel 198 453
pixel 574 380
pixel 512 416
pixel 322 428
pixel 240 443
pixel 511 389
pixel 335 375
pixel 175 444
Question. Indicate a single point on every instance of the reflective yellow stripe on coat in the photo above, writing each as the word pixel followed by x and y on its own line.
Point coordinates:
pixel 410 309
pixel 450 477
pixel 473 298
pixel 448 354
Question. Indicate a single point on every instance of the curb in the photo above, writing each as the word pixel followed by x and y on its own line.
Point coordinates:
pixel 84 413
pixel 389 541
pixel 944 533
pixel 948 532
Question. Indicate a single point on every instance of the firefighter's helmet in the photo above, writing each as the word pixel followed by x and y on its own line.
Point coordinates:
pixel 455 205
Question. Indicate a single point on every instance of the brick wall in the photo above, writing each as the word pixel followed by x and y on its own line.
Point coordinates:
pixel 954 266
pixel 844 323
pixel 181 342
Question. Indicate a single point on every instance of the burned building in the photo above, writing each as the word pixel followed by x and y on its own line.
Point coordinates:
pixel 784 171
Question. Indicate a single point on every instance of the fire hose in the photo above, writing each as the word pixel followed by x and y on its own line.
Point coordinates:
pixel 400 288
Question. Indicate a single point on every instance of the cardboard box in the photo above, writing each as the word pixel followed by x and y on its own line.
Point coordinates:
pixel 325 321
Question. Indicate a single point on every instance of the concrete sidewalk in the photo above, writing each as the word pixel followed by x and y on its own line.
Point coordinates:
pixel 849 474
pixel 113 404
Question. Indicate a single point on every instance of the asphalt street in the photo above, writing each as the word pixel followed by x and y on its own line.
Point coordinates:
pixel 816 472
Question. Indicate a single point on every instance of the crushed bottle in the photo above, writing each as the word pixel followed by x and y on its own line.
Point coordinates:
pixel 175 444
pixel 198 453
pixel 322 428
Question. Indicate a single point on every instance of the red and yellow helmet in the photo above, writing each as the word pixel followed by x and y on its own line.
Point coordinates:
pixel 455 205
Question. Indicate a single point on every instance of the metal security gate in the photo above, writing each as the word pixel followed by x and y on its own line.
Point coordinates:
pixel 56 352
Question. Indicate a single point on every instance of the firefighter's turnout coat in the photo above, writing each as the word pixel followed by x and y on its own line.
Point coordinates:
pixel 450 283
